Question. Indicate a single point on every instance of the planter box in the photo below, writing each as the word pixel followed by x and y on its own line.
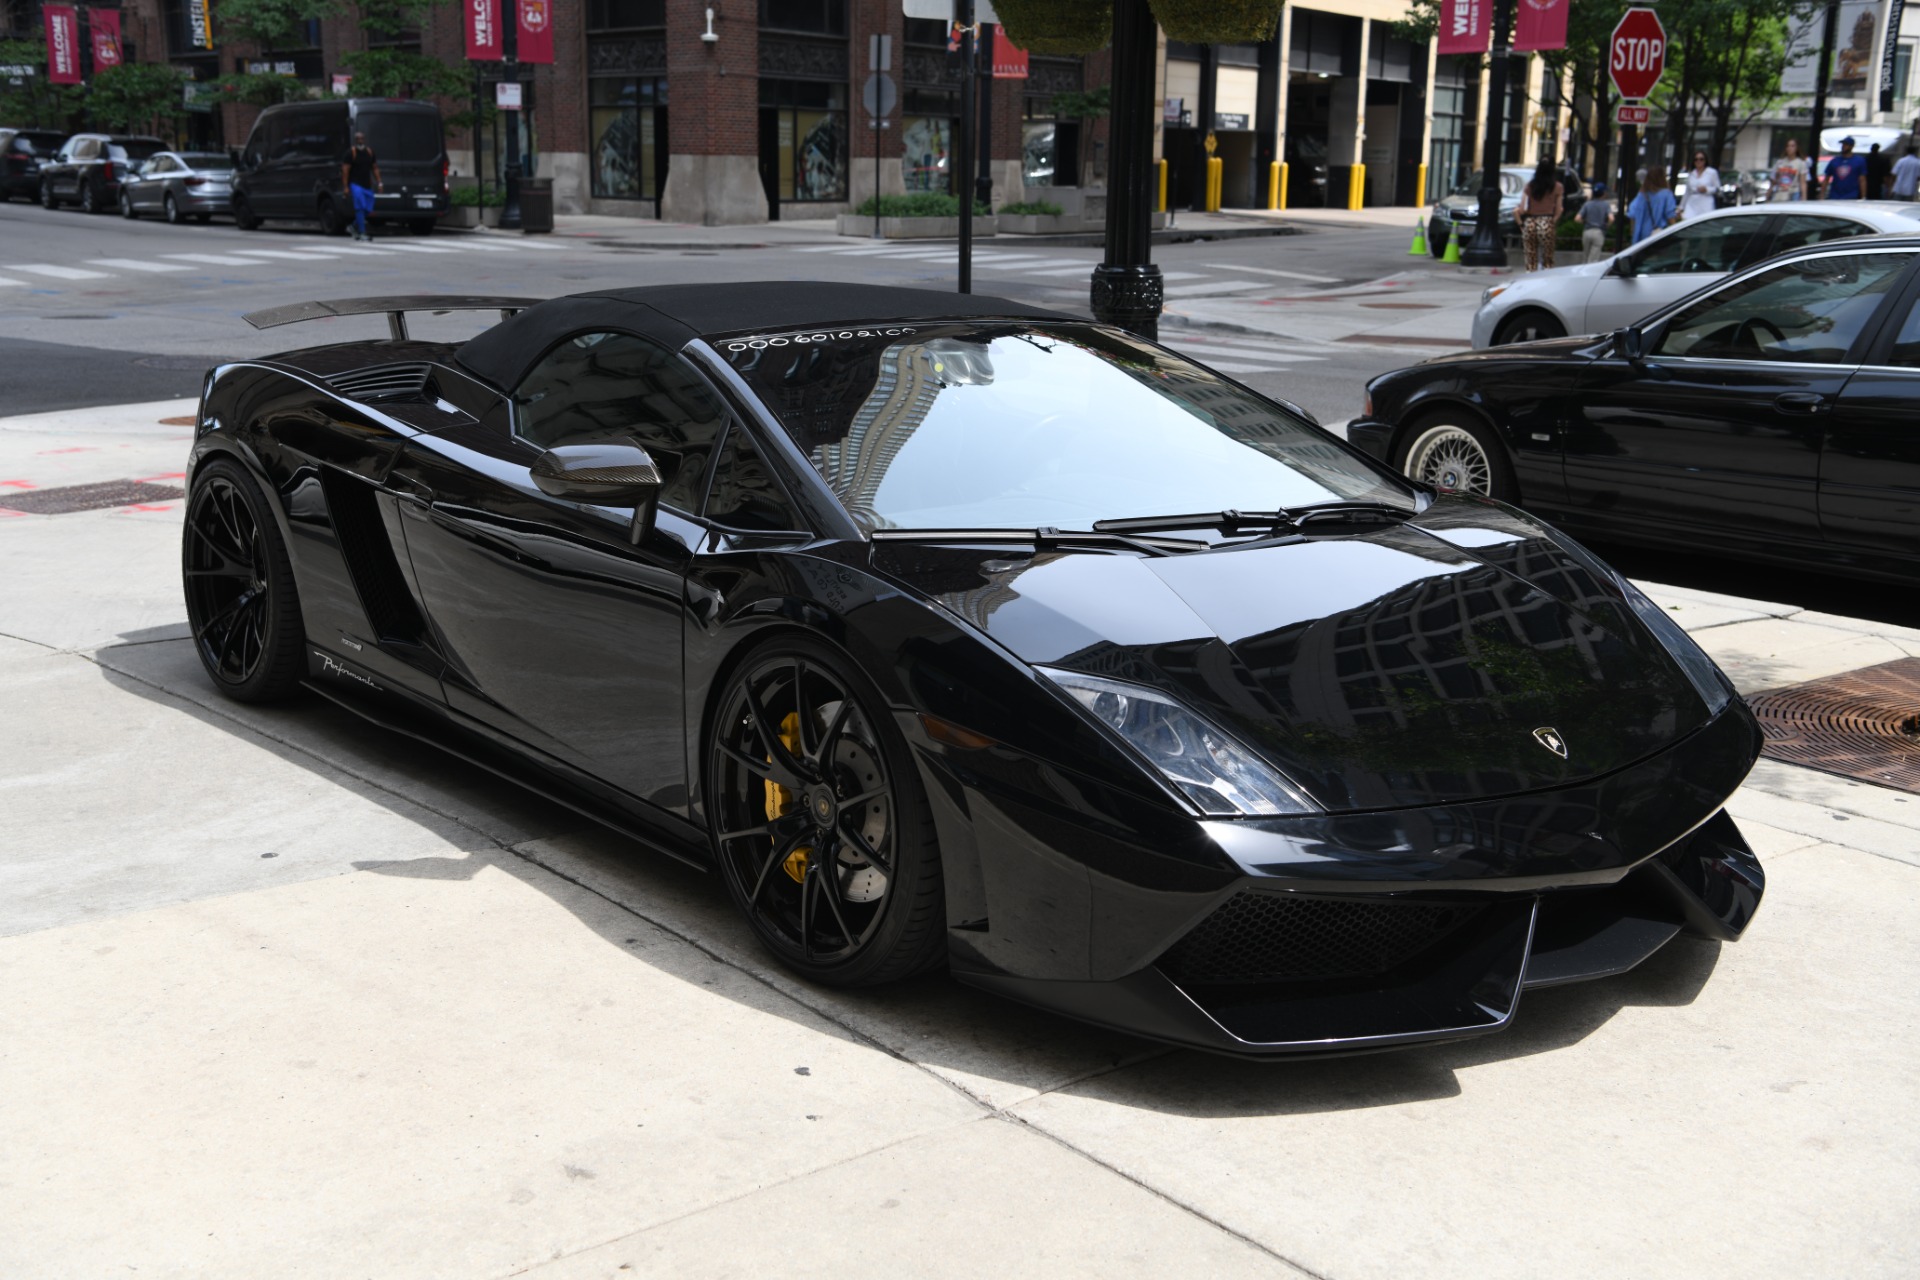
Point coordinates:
pixel 461 215
pixel 854 224
pixel 1039 224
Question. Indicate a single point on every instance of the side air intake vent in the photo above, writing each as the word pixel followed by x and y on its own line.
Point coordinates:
pixel 1281 937
pixel 388 382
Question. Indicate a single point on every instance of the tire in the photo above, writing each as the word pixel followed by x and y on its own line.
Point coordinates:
pixel 1456 452
pixel 242 604
pixel 870 909
pixel 126 206
pixel 172 209
pixel 47 199
pixel 331 223
pixel 89 196
pixel 1530 325
pixel 243 215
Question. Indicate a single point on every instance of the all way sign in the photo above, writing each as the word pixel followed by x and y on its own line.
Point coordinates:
pixel 1633 115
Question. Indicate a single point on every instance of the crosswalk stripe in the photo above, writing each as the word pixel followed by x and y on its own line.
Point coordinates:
pixel 59 273
pixel 4 282
pixel 136 264
pixel 349 250
pixel 488 247
pixel 1077 269
pixel 822 248
pixel 416 248
pixel 217 259
pixel 287 254
pixel 1232 366
pixel 1214 286
pixel 1274 271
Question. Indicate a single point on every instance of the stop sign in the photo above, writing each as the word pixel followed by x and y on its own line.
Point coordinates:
pixel 1637 54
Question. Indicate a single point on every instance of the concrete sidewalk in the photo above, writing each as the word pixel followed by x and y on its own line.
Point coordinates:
pixel 789 232
pixel 281 994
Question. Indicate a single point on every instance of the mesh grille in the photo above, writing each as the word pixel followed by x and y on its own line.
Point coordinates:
pixel 385 383
pixel 1279 937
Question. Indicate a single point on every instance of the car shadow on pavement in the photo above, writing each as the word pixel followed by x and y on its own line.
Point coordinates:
pixel 1000 1052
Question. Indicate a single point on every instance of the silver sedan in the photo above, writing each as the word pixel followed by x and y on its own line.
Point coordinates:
pixel 179 185
pixel 1598 297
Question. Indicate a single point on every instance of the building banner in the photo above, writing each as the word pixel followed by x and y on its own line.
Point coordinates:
pixel 1464 27
pixel 1010 62
pixel 484 42
pixel 1895 9
pixel 197 30
pixel 63 44
pixel 1540 25
pixel 104 26
pixel 536 30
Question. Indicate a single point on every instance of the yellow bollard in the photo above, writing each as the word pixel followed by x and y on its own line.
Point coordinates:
pixel 1162 163
pixel 1357 186
pixel 1216 176
pixel 1282 166
pixel 1274 179
pixel 1420 184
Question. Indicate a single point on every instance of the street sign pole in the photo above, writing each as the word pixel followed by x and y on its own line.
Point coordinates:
pixel 1814 125
pixel 879 106
pixel 961 171
pixel 510 69
pixel 1486 248
pixel 1636 59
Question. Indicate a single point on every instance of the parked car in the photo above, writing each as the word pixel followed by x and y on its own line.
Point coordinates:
pixel 1762 180
pixel 1459 212
pixel 290 167
pixel 90 167
pixel 1769 416
pixel 1594 297
pixel 22 152
pixel 1334 765
pixel 178 185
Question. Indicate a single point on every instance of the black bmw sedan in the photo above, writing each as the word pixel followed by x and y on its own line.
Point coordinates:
pixel 953 632
pixel 1769 416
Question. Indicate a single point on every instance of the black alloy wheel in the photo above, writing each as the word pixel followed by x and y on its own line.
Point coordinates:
pixel 243 215
pixel 819 823
pixel 241 602
pixel 89 196
pixel 172 208
pixel 1531 325
pixel 332 221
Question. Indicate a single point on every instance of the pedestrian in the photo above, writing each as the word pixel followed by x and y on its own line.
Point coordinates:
pixel 360 174
pixel 1906 176
pixel 1540 203
pixel 1596 215
pixel 1790 174
pixel 1703 188
pixel 1845 173
pixel 1879 165
pixel 1654 207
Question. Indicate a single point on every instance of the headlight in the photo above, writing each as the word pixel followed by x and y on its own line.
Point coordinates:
pixel 1493 291
pixel 1210 768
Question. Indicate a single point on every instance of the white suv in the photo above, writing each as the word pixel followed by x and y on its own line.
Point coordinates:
pixel 1598 297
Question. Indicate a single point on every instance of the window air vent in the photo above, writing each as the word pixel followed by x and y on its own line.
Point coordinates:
pixel 388 382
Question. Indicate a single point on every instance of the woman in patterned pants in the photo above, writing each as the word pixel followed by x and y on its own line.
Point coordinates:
pixel 1540 205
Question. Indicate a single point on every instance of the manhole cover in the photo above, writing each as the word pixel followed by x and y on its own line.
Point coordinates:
pixel 88 497
pixel 185 364
pixel 1863 724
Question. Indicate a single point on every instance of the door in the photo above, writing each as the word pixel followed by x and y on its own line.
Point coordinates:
pixel 770 159
pixel 557 629
pixel 1870 467
pixel 1666 268
pixel 1718 430
pixel 147 191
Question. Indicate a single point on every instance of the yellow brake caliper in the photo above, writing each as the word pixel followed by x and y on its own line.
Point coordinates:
pixel 780 800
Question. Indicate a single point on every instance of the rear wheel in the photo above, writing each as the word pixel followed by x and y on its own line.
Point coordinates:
pixel 172 208
pixel 1455 453
pixel 241 602
pixel 818 820
pixel 332 221
pixel 89 196
pixel 126 205
pixel 47 199
pixel 1530 325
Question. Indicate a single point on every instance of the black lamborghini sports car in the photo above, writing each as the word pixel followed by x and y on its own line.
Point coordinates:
pixel 954 631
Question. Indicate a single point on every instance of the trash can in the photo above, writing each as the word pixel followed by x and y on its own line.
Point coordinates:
pixel 536 205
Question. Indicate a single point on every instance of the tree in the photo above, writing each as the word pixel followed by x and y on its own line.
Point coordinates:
pixel 271 23
pixel 29 101
pixel 137 97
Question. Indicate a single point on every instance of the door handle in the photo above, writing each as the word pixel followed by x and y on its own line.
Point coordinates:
pixel 1800 402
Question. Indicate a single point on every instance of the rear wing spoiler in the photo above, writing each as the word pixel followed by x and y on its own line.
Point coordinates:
pixel 395 309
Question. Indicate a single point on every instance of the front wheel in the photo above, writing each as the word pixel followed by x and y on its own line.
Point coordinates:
pixel 47 199
pixel 89 197
pixel 243 215
pixel 1531 325
pixel 818 820
pixel 172 208
pixel 332 221
pixel 242 605
pixel 126 206
pixel 1453 453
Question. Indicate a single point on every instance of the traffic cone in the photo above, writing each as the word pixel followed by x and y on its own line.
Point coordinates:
pixel 1453 248
pixel 1419 247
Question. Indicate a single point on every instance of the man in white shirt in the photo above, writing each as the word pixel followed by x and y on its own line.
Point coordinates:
pixel 1906 176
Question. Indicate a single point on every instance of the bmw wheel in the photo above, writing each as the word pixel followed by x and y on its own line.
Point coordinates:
pixel 1454 454
pixel 818 820
pixel 1531 325
pixel 241 602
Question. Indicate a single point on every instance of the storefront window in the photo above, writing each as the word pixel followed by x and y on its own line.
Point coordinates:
pixel 810 138
pixel 926 139
pixel 628 121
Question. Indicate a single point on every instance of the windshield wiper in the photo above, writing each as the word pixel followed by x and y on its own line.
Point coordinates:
pixel 1279 520
pixel 1045 537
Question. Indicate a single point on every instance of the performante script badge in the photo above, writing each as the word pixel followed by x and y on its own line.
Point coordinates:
pixel 1549 737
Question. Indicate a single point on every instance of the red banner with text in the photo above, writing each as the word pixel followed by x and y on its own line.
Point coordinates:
pixel 1539 25
pixel 63 44
pixel 104 26
pixel 484 42
pixel 536 30
pixel 1009 61
pixel 1464 27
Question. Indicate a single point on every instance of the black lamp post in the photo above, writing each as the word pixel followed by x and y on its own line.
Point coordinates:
pixel 1127 290
pixel 510 74
pixel 1486 249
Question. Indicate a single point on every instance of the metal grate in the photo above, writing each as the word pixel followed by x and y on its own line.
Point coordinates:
pixel 385 383
pixel 87 497
pixel 1861 724
pixel 1279 937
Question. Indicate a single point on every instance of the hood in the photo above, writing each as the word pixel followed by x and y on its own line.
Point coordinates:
pixel 1544 349
pixel 1407 666
pixel 1471 204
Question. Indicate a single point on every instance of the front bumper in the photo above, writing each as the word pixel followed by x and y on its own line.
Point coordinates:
pixel 1346 933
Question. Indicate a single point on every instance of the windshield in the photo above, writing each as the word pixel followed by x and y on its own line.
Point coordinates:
pixel 1511 180
pixel 398 136
pixel 207 162
pixel 133 149
pixel 1020 425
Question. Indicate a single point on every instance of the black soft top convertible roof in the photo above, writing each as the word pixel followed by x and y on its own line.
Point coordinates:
pixel 675 314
